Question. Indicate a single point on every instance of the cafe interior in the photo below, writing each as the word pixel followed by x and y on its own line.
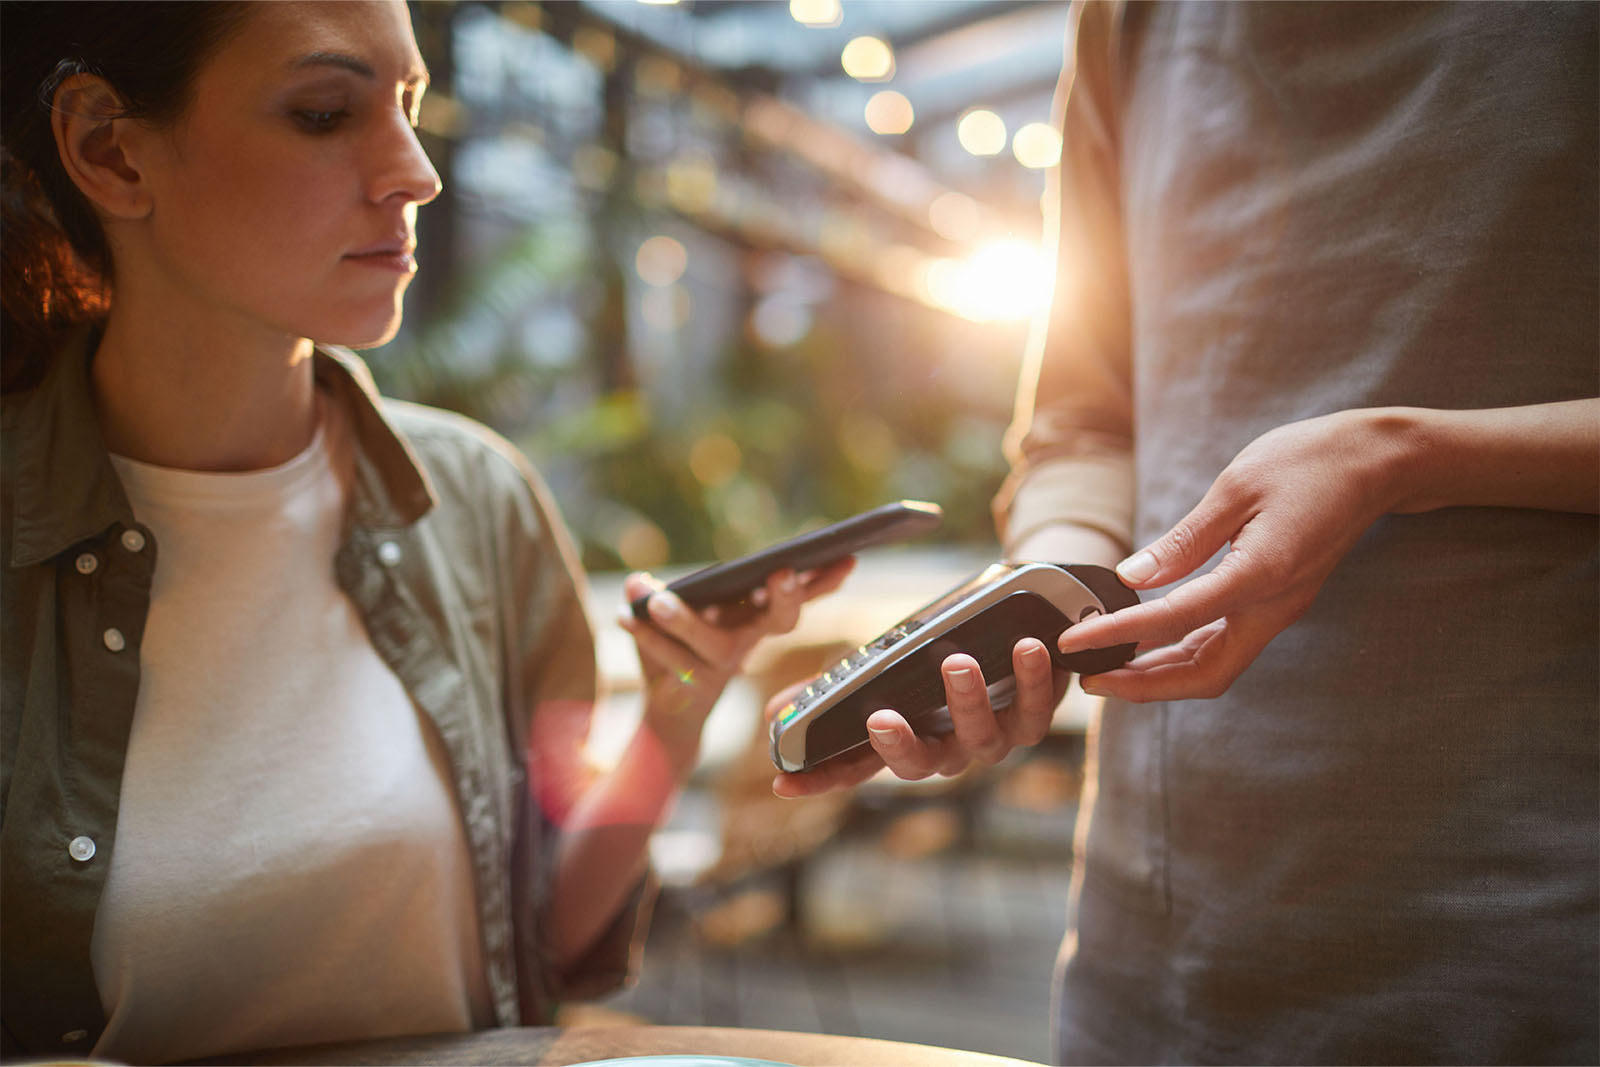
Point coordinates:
pixel 728 271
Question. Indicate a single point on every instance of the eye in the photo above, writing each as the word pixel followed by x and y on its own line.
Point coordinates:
pixel 320 121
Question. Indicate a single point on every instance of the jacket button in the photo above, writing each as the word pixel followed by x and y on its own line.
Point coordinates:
pixel 86 563
pixel 72 1037
pixel 114 639
pixel 132 540
pixel 389 553
pixel 81 849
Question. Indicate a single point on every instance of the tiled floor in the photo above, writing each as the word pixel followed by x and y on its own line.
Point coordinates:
pixel 922 918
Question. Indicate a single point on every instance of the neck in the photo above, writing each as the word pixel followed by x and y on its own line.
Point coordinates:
pixel 198 399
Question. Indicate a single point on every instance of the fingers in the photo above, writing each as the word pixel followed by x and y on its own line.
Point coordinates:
pixel 979 731
pixel 986 734
pixel 701 642
pixel 1194 539
pixel 1153 622
pixel 784 597
pixel 976 725
pixel 1034 708
pixel 1202 666
pixel 662 652
pixel 842 772
pixel 909 756
pixel 826 579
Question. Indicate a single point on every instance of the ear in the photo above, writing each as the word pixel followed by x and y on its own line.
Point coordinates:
pixel 98 146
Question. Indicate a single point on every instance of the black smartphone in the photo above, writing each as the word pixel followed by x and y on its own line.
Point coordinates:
pixel 731 582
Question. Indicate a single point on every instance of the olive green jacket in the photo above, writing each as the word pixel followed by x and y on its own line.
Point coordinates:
pixel 465 578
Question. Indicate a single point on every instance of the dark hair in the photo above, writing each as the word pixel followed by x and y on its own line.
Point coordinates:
pixel 55 267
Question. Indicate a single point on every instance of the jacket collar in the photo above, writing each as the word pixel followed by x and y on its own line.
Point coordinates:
pixel 67 491
pixel 392 489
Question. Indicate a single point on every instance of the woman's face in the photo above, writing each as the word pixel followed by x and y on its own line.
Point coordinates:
pixel 286 195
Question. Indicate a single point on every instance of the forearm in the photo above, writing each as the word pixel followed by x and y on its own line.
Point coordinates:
pixel 1544 456
pixel 605 840
pixel 1070 509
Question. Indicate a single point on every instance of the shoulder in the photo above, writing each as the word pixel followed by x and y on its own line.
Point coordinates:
pixel 478 477
pixel 452 445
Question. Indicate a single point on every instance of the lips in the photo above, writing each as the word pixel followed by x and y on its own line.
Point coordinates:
pixel 390 254
pixel 400 245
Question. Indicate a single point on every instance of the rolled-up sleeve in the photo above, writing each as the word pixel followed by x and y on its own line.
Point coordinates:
pixel 1070 444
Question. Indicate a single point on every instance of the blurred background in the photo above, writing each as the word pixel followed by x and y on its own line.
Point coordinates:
pixel 726 271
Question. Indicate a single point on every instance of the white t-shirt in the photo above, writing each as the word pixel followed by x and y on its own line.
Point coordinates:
pixel 290 865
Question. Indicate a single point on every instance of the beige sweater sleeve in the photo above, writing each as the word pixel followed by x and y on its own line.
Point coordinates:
pixel 1071 442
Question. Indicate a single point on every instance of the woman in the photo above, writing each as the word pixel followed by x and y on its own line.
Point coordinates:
pixel 294 678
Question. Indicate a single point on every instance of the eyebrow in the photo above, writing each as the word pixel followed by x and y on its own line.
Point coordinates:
pixel 351 63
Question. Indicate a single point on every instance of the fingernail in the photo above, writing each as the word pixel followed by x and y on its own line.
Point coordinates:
pixel 1033 654
pixel 963 680
pixel 1091 686
pixel 1138 567
pixel 664 606
pixel 884 737
pixel 624 615
pixel 1068 642
pixel 787 582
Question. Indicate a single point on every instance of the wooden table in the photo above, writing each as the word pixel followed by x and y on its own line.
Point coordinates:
pixel 553 1045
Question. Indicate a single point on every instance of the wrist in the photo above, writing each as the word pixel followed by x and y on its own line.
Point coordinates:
pixel 673 731
pixel 1402 449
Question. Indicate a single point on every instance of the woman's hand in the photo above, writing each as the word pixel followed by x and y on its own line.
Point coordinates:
pixel 687 657
pixel 980 732
pixel 1292 504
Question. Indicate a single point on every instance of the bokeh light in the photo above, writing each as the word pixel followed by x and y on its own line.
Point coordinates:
pixel 982 132
pixel 692 184
pixel 778 321
pixel 665 309
pixel 818 13
pixel 642 546
pixel 714 459
pixel 661 260
pixel 888 112
pixel 954 216
pixel 1037 145
pixel 1005 280
pixel 867 59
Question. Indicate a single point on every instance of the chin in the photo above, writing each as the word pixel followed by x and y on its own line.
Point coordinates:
pixel 363 331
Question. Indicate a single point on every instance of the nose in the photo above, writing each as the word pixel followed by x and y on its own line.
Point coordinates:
pixel 401 168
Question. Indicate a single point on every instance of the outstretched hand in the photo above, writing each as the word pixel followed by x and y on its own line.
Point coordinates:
pixel 1290 506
